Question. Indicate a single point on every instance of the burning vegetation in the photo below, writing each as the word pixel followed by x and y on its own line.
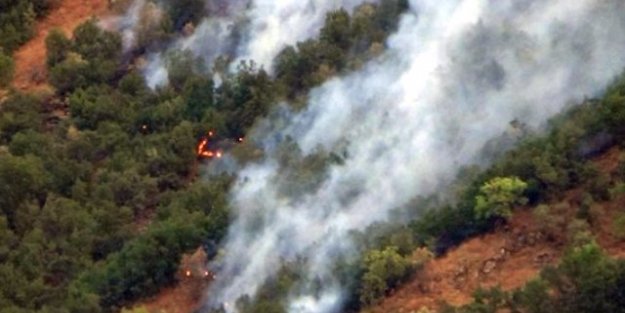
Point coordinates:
pixel 205 149
pixel 209 147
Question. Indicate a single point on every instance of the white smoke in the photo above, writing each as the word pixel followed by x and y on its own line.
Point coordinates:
pixel 155 71
pixel 454 76
pixel 252 30
pixel 276 24
pixel 140 15
pixel 129 24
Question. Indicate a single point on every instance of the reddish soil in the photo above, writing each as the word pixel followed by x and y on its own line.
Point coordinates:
pixel 30 59
pixel 185 296
pixel 505 258
pixel 609 161
pixel 508 257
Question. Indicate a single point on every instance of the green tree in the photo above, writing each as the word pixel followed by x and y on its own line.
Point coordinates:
pixel 336 30
pixel 70 74
pixel 7 239
pixel 7 68
pixel 68 231
pixel 21 179
pixel 93 43
pixel 383 269
pixel 18 113
pixel 17 18
pixel 199 95
pixel 181 67
pixel 498 196
pixel 534 297
pixel 93 57
pixel 57 47
pixel 588 281
pixel 145 263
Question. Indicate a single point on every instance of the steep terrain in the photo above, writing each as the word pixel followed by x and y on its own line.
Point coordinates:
pixel 30 66
pixel 187 294
pixel 509 257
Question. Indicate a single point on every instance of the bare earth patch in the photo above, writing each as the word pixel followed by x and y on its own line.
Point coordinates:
pixel 188 293
pixel 30 59
pixel 509 257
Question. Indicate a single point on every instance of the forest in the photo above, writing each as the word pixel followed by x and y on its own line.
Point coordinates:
pixel 102 190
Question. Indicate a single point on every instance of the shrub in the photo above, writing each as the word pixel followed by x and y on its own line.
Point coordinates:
pixel 618 226
pixel 7 68
pixel 498 196
pixel 383 269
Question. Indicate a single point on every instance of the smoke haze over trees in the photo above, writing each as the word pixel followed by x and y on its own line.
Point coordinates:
pixel 351 131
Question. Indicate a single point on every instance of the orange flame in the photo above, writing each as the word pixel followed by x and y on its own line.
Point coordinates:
pixel 202 150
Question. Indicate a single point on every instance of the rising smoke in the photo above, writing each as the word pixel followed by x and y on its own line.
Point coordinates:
pixel 454 76
pixel 140 17
pixel 249 30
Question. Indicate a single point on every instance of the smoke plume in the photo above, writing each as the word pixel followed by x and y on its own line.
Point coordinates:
pixel 139 18
pixel 250 30
pixel 276 24
pixel 454 75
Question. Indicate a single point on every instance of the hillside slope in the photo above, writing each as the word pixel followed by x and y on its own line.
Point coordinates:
pixel 30 66
pixel 508 257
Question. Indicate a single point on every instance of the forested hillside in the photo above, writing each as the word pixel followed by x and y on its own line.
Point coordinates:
pixel 83 168
pixel 17 22
pixel 107 180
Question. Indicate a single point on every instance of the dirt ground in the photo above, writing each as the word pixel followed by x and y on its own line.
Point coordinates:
pixel 30 67
pixel 188 293
pixel 509 257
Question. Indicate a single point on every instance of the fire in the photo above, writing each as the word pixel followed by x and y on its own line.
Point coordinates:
pixel 188 273
pixel 203 151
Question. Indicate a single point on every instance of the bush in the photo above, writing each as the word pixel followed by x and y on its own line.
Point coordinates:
pixel 7 68
pixel 498 196
pixel 587 280
pixel 57 47
pixel 599 187
pixel 618 226
pixel 146 263
pixel 551 221
pixel 91 58
pixel 383 270
pixel 17 19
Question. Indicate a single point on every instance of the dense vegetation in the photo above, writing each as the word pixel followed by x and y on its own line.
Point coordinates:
pixel 546 166
pixel 539 170
pixel 98 191
pixel 99 197
pixel 17 22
